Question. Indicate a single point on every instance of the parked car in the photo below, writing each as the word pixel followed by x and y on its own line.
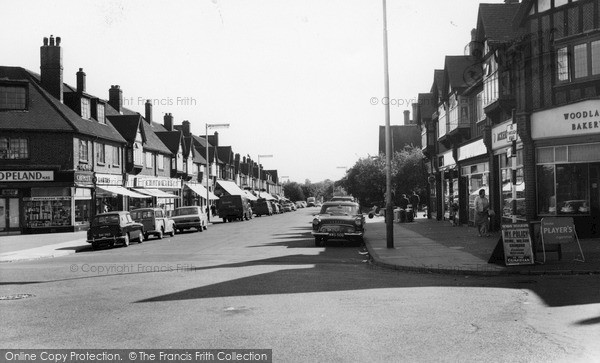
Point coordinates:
pixel 189 217
pixel 234 207
pixel 155 222
pixel 263 207
pixel 275 206
pixel 342 198
pixel 108 229
pixel 286 206
pixel 338 220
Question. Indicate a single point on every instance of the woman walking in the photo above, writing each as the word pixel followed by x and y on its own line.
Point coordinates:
pixel 482 206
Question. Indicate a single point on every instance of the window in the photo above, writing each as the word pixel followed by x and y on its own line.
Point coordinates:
pixel 83 150
pixel 85 108
pixel 100 153
pixel 490 82
pixel 543 5
pixel 100 113
pixel 13 97
pixel 507 186
pixel 562 64
pixel 149 160
pixel 116 160
pixel 578 61
pixel 137 154
pixel 161 162
pixel 14 148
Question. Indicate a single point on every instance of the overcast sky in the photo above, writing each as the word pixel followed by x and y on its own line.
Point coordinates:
pixel 295 79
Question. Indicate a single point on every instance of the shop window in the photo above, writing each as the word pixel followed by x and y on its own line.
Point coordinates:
pixel 100 153
pixel 572 189
pixel 47 212
pixel 507 186
pixel 83 150
pixel 14 148
pixel 545 186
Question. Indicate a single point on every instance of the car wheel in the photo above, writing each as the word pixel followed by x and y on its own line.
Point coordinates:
pixel 140 238
pixel 205 227
pixel 146 236
pixel 160 233
pixel 172 233
pixel 224 220
pixel 95 246
pixel 318 241
pixel 200 228
pixel 126 240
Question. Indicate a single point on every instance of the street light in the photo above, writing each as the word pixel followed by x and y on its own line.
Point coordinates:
pixel 389 218
pixel 261 156
pixel 212 127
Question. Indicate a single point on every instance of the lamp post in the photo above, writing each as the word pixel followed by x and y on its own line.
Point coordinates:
pixel 389 218
pixel 210 126
pixel 261 156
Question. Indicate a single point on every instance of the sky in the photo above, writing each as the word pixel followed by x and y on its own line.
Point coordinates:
pixel 301 80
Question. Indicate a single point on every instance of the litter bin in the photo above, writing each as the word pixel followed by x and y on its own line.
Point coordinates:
pixel 402 216
pixel 397 215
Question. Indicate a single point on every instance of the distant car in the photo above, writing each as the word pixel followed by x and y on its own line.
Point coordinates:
pixel 263 207
pixel 299 204
pixel 338 220
pixel 287 206
pixel 155 222
pixel 275 206
pixel 189 217
pixel 234 207
pixel 311 202
pixel 108 229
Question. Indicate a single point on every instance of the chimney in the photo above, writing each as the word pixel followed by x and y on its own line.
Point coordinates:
pixel 216 139
pixel 475 48
pixel 406 117
pixel 115 97
pixel 148 115
pixel 415 112
pixel 80 81
pixel 186 128
pixel 51 67
pixel 168 122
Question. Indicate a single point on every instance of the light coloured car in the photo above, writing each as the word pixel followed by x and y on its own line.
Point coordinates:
pixel 155 222
pixel 189 217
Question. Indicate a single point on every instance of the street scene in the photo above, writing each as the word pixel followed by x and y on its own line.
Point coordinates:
pixel 300 181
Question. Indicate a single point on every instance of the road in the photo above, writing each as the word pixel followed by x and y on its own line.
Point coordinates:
pixel 261 284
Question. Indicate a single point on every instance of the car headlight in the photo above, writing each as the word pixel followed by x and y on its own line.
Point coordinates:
pixel 316 222
pixel 358 222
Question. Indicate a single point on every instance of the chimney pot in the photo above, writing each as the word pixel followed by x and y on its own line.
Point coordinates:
pixel 51 68
pixel 168 122
pixel 406 117
pixel 186 128
pixel 81 81
pixel 115 97
pixel 148 114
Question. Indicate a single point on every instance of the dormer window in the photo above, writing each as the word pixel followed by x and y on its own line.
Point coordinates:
pixel 100 113
pixel 85 108
pixel 13 97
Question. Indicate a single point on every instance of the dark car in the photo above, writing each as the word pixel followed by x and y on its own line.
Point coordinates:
pixel 155 222
pixel 234 207
pixel 338 220
pixel 108 229
pixel 263 207
pixel 342 198
pixel 189 217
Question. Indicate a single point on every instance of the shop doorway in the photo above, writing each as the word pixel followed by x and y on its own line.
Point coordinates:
pixel 595 198
pixel 9 215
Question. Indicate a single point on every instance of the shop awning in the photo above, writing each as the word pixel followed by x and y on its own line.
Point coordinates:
pixel 230 187
pixel 201 191
pixel 155 193
pixel 250 195
pixel 113 189
pixel 267 196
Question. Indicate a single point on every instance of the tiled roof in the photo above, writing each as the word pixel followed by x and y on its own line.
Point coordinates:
pixel 171 139
pixel 225 154
pixel 426 105
pixel 497 22
pixel 128 125
pixel 438 81
pixel 198 158
pixel 46 113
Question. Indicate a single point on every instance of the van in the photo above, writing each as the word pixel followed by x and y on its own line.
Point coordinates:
pixel 234 207
pixel 263 207
pixel 155 222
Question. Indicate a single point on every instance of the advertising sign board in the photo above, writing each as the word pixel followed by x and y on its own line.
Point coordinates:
pixel 517 244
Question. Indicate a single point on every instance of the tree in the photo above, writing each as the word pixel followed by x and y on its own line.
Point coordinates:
pixel 293 191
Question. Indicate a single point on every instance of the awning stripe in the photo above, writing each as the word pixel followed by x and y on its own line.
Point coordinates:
pixel 230 187
pixel 113 189
pixel 155 193
pixel 201 191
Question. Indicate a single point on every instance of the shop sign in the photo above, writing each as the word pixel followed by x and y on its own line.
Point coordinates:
pixel 10 192
pixel 45 198
pixel 517 244
pixel 83 178
pixel 109 179
pixel 557 230
pixel 471 150
pixel 158 183
pixel 504 134
pixel 26 176
pixel 582 118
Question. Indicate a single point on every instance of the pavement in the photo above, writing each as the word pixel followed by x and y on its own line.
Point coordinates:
pixel 424 245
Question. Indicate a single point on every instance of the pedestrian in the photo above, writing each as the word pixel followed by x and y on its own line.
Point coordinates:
pixel 403 202
pixel 415 200
pixel 213 210
pixel 482 206
pixel 454 214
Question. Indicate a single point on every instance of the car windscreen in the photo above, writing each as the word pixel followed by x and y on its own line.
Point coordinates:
pixel 142 214
pixel 184 211
pixel 339 209
pixel 107 219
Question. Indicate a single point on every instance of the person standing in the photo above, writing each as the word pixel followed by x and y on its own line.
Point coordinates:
pixel 482 206
pixel 415 200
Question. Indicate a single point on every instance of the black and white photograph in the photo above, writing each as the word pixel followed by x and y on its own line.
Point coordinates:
pixel 300 181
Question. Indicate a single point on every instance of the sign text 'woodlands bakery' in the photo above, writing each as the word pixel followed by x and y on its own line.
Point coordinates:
pixel 29 175
pixel 584 120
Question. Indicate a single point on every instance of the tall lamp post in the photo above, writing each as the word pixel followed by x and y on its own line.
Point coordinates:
pixel 389 209
pixel 212 127
pixel 261 156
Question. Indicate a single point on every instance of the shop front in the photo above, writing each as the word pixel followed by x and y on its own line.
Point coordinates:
pixel 196 193
pixel 111 195
pixel 44 201
pixel 162 192
pixel 449 182
pixel 508 157
pixel 475 175
pixel 567 154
